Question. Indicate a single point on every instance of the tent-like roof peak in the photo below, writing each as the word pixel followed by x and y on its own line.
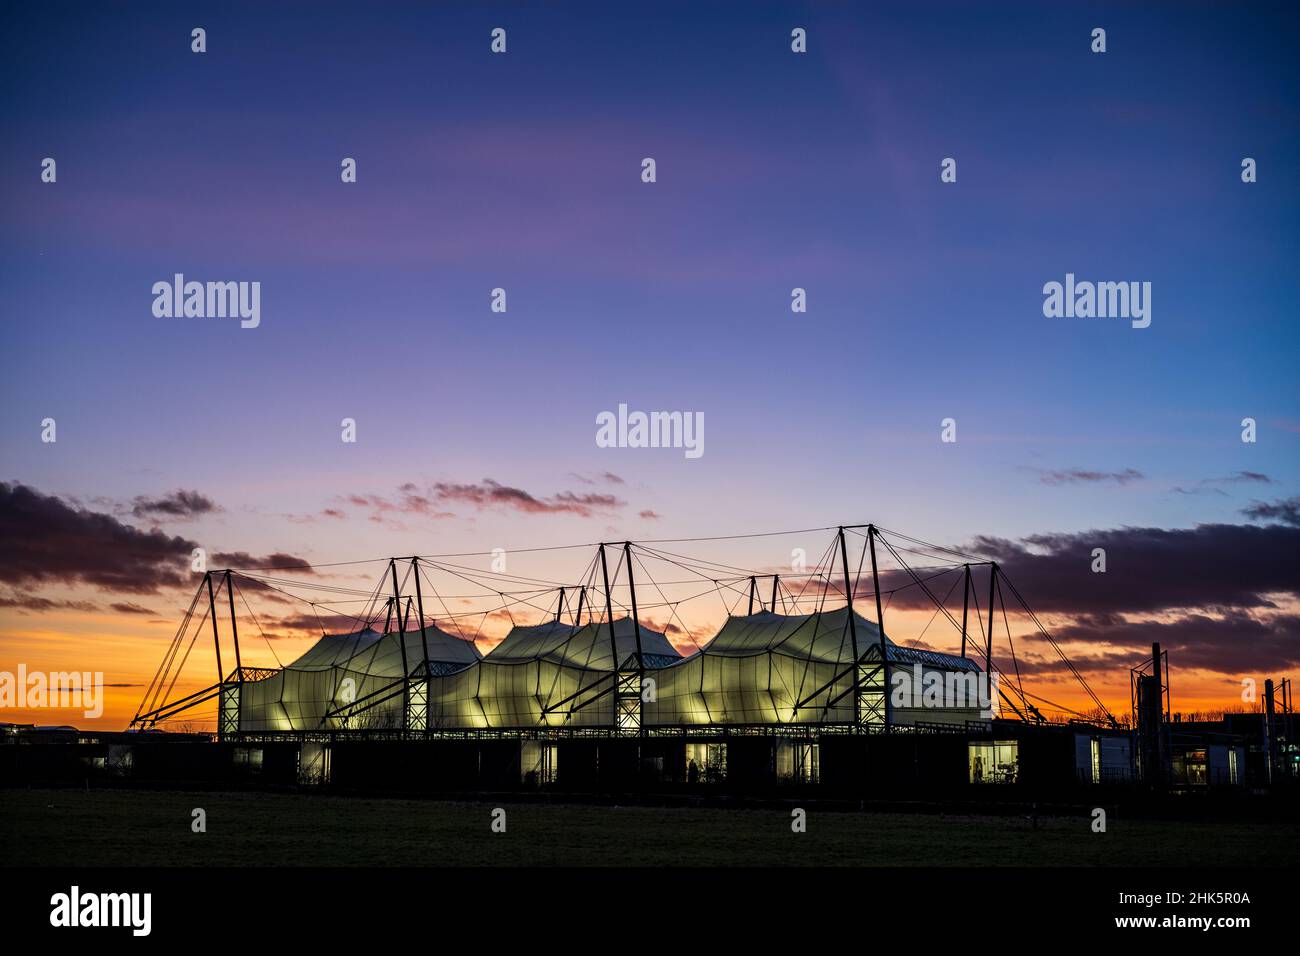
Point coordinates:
pixel 586 645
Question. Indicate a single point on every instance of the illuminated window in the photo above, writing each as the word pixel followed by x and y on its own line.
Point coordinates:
pixel 313 764
pixel 248 758
pixel 797 761
pixel 539 763
pixel 706 763
pixel 996 762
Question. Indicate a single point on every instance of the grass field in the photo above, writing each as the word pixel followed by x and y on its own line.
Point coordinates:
pixel 115 827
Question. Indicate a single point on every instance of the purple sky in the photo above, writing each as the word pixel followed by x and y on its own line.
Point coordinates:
pixel 775 170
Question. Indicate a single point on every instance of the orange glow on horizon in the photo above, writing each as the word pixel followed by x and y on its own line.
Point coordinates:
pixel 127 652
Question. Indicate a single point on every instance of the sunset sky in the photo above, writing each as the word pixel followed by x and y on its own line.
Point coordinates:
pixel 775 170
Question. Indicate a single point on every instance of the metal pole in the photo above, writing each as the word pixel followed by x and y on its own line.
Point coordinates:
pixel 1290 712
pixel 636 629
pixel 753 585
pixel 1269 729
pixel 234 628
pixel 1169 692
pixel 848 590
pixel 636 623
pixel 401 638
pixel 853 636
pixel 609 615
pixel 419 606
pixel 216 642
pixel 424 642
pixel 397 612
pixel 1286 704
pixel 988 639
pixel 965 608
pixel 880 621
pixel 559 607
pixel 582 596
pixel 775 579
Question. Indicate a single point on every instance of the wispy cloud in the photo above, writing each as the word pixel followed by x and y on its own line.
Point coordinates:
pixel 179 504
pixel 492 494
pixel 608 477
pixel 24 601
pixel 1212 486
pixel 130 607
pixel 1073 476
pixel 409 500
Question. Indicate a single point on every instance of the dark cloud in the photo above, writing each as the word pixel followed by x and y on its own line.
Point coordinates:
pixel 582 504
pixel 266 592
pixel 1151 569
pixel 130 607
pixel 300 625
pixel 667 628
pixel 180 504
pixel 1206 594
pixel 489 494
pixel 48 541
pixel 1287 511
pixel 649 515
pixel 411 500
pixel 278 561
pixel 34 602
pixel 1078 476
pixel 1232 643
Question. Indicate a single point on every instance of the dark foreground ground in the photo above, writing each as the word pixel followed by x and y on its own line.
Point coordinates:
pixel 114 828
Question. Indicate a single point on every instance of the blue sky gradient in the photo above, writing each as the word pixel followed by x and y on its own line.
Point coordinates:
pixel 775 171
